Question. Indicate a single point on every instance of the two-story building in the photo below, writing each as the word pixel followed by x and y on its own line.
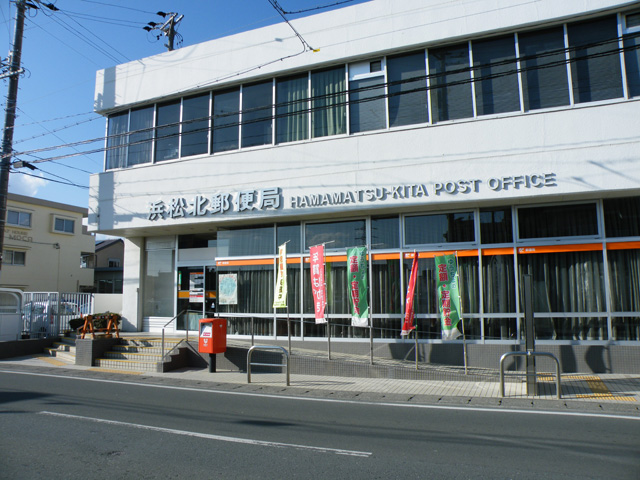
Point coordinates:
pixel 46 247
pixel 507 132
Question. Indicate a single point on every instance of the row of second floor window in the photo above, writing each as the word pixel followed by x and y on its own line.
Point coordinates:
pixel 17 218
pixel 553 67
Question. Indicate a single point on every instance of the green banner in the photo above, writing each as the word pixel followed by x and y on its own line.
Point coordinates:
pixel 358 288
pixel 280 298
pixel 448 295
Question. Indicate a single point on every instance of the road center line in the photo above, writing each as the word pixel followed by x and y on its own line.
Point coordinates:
pixel 207 436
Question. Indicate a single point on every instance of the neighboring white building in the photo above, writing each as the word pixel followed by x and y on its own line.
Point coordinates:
pixel 508 132
pixel 46 247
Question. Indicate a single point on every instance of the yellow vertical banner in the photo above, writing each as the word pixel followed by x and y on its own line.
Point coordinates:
pixel 280 297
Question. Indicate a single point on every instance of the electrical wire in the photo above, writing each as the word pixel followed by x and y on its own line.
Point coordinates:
pixel 443 4
pixel 431 78
pixel 106 20
pixel 275 5
pixel 119 6
pixel 71 115
pixel 321 7
pixel 54 15
pixel 49 132
pixel 64 43
pixel 67 182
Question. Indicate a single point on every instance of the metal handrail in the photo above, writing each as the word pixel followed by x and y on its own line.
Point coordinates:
pixel 268 347
pixel 529 354
pixel 165 326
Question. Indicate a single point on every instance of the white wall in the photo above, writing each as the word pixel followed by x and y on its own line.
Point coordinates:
pixel 131 284
pixel 350 32
pixel 107 302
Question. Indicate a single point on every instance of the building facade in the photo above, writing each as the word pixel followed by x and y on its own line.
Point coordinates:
pixel 507 133
pixel 46 247
pixel 108 266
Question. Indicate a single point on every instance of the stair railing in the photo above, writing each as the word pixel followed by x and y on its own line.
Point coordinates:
pixel 182 340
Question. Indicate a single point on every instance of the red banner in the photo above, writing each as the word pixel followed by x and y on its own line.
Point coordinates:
pixel 408 324
pixel 318 285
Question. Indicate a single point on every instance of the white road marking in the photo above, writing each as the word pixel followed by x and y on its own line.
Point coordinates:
pixel 334 400
pixel 207 436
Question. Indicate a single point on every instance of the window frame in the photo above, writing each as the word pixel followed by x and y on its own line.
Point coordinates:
pixel 12 254
pixel 569 239
pixel 20 213
pixel 64 221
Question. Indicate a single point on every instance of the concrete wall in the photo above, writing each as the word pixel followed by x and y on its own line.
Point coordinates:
pixel 19 348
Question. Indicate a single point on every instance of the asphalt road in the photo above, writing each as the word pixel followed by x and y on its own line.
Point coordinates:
pixel 71 428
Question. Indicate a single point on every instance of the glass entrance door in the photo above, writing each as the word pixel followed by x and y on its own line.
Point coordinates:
pixel 197 295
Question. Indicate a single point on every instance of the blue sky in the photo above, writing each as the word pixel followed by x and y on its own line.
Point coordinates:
pixel 62 50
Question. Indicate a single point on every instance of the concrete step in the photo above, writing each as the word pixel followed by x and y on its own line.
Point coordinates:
pixel 64 355
pixel 68 340
pixel 63 347
pixel 139 349
pixel 149 342
pixel 126 355
pixel 137 354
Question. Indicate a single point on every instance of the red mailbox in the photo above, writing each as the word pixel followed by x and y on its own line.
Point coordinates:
pixel 213 335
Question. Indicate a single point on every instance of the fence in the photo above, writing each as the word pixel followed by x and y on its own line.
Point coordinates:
pixel 47 314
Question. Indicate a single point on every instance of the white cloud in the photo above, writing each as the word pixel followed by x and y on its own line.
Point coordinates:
pixel 25 184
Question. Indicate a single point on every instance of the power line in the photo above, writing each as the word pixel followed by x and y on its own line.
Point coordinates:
pixel 66 182
pixel 279 9
pixel 107 20
pixel 376 87
pixel 37 122
pixel 53 132
pixel 65 44
pixel 80 35
pixel 50 132
pixel 321 7
pixel 118 6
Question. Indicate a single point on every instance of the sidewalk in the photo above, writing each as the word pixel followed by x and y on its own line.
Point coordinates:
pixel 592 390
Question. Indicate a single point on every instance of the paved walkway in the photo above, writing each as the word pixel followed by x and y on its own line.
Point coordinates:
pixel 599 389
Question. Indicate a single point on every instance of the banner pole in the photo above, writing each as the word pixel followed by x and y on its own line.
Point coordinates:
pixel 288 328
pixel 464 339
pixel 370 306
pixel 416 340
pixel 326 310
pixel 415 320
pixel 327 307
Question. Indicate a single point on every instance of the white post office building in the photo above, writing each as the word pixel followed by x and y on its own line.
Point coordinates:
pixel 508 132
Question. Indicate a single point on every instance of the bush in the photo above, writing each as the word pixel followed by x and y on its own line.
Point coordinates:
pixel 76 323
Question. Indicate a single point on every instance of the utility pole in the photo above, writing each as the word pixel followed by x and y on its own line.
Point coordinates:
pixel 10 118
pixel 168 28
